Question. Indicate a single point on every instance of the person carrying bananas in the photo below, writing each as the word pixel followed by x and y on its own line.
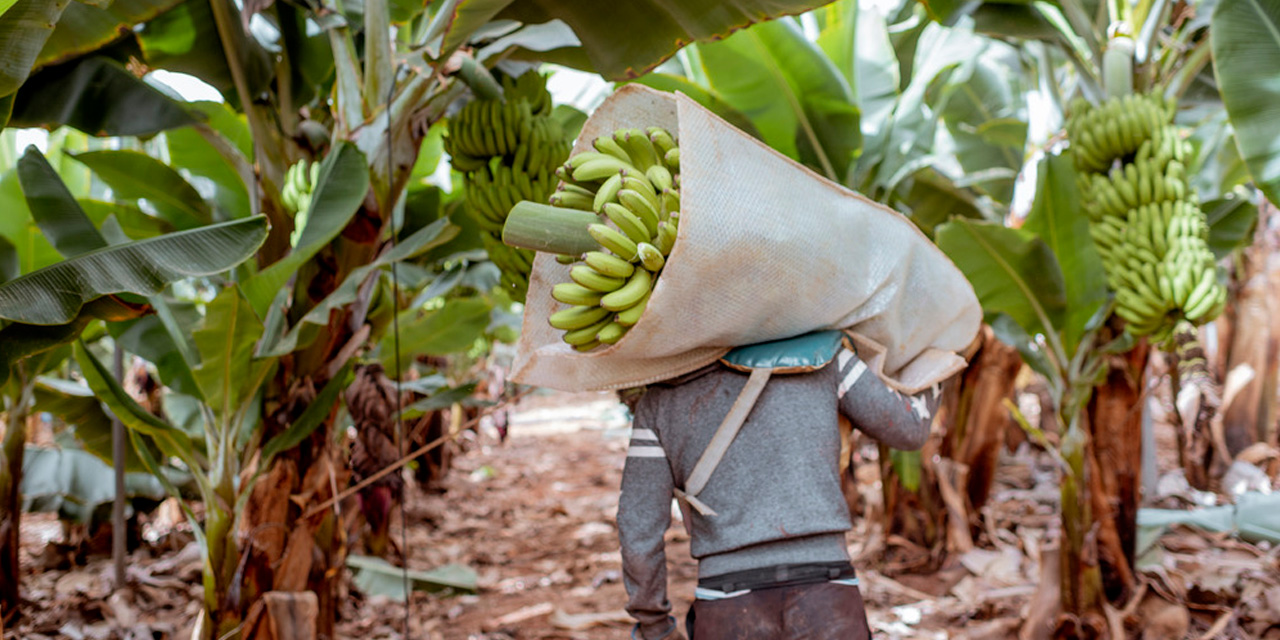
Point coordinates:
pixel 768 527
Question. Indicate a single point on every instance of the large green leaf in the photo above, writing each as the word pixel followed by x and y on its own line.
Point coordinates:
pixel 981 105
pixel 133 175
pixel 84 28
pixel 97 96
pixel 876 78
pixel 702 95
pixel 839 36
pixel 376 577
pixel 24 28
pixel 54 209
pixel 338 193
pixel 1246 53
pixel 791 91
pixel 627 39
pixel 451 329
pixel 228 374
pixel 55 294
pixel 1012 271
pixel 1057 219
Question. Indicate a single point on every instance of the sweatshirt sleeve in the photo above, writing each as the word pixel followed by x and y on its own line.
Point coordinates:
pixel 898 420
pixel 644 513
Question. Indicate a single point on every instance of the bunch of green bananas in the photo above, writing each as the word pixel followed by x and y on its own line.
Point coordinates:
pixel 631 181
pixel 299 180
pixel 1144 219
pixel 507 150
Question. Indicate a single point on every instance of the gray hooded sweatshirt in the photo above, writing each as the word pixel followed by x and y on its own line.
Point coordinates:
pixel 776 492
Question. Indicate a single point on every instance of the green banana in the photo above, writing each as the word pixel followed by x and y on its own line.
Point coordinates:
pixel 650 257
pixel 594 280
pixel 577 317
pixel 630 293
pixel 613 240
pixel 609 265
pixel 607 193
pixel 575 294
pixel 631 315
pixel 611 333
pixel 627 222
pixel 507 150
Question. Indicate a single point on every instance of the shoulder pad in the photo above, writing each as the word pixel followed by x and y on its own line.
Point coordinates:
pixel 801 354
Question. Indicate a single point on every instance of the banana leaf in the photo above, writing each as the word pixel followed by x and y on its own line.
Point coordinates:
pixel 98 96
pixel 135 175
pixel 54 295
pixel 1245 35
pixel 84 28
pixel 1056 218
pixel 631 38
pixel 54 209
pixel 1012 271
pixel 24 28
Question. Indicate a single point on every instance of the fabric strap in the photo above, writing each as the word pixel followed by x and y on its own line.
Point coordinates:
pixel 720 442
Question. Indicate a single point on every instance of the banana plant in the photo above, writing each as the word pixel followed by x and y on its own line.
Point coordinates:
pixel 354 87
pixel 45 309
pixel 1059 315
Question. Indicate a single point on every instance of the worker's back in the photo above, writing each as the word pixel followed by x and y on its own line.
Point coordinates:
pixel 770 539
pixel 780 478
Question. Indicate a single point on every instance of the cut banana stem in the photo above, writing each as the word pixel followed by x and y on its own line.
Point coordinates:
pixel 541 227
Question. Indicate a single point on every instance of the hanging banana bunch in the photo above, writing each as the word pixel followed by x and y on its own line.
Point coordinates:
pixel 632 181
pixel 299 181
pixel 507 149
pixel 1144 219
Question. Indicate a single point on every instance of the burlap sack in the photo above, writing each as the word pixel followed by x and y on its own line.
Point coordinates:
pixel 767 249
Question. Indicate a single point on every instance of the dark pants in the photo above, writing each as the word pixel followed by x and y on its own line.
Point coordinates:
pixel 819 611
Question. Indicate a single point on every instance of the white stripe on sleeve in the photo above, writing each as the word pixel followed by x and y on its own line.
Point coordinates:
pixel 643 434
pixel 843 359
pixel 645 452
pixel 851 378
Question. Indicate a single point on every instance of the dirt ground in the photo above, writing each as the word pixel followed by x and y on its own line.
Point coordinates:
pixel 533 517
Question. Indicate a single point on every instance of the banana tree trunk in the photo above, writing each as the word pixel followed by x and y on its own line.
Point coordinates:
pixel 10 511
pixel 11 453
pixel 286 552
pixel 1115 453
pixel 1081 577
pixel 1253 338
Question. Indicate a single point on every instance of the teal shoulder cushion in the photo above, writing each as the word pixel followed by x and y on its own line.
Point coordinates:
pixel 801 354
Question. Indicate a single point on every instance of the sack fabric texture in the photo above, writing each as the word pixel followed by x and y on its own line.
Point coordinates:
pixel 767 249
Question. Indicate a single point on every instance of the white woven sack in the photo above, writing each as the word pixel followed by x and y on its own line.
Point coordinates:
pixel 767 249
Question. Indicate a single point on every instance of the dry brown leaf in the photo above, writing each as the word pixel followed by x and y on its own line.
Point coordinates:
pixel 522 614
pixel 583 621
